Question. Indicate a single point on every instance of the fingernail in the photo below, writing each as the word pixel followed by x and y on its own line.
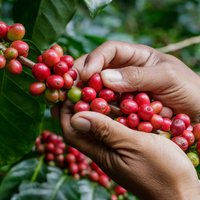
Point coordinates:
pixel 111 75
pixel 81 124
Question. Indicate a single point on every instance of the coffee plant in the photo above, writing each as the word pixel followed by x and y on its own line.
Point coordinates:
pixel 37 73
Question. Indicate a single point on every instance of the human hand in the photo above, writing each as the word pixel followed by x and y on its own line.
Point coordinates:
pixel 135 67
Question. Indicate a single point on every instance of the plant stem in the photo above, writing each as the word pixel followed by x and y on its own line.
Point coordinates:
pixel 37 170
pixel 28 63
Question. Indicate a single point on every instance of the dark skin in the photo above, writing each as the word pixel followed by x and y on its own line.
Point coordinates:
pixel 150 166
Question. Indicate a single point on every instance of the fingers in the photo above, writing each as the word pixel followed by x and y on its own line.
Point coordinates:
pixel 153 79
pixel 116 54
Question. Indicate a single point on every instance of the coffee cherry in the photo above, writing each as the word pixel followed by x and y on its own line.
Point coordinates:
pixel 119 190
pixel 133 120
pixel 70 158
pixel 166 124
pixel 184 117
pixel 126 95
pixel 188 135
pixel 50 57
pixel 60 68
pixel 37 88
pixel 166 112
pixel 2 62
pixel 72 73
pixel 68 60
pixel 95 82
pixel 198 147
pixel 145 112
pixel 157 106
pixel 3 29
pixel 142 98
pixel 94 176
pixel 190 128
pixel 68 81
pixel 122 120
pixel 114 197
pixel 196 131
pixel 128 106
pixel 10 53
pixel 99 105
pixel 81 106
pixel 145 127
pixel 73 151
pixel 73 168
pixel 74 94
pixel 51 96
pixel 194 158
pixel 50 147
pixel 40 71
pixel 55 82
pixel 164 134
pixel 14 66
pixel 40 148
pixel 45 135
pixel 107 111
pixel 177 127
pixel 62 95
pixel 104 181
pixel 16 32
pixel 58 49
pixel 107 94
pixel 21 46
pixel 88 94
pixel 39 59
pixel 156 121
pixel 49 157
pixel 181 142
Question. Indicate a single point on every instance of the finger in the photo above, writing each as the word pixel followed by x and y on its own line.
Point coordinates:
pixel 117 54
pixel 132 78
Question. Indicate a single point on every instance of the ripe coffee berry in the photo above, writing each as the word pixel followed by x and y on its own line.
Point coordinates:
pixel 107 94
pixel 3 29
pixel 99 105
pixel 126 95
pixel 122 120
pixel 37 88
pixel 156 121
pixel 14 66
pixel 145 112
pixel 157 106
pixel 181 142
pixel 40 71
pixel 166 112
pixel 21 46
pixel 184 117
pixel 81 106
pixel 55 81
pixel 95 82
pixel 70 158
pixel 73 168
pixel 2 62
pixel 196 131
pixel 60 68
pixel 104 181
pixel 145 127
pixel 166 124
pixel 128 106
pixel 94 176
pixel 50 57
pixel 198 146
pixel 132 120
pixel 58 49
pixel 72 73
pixel 68 60
pixel 10 53
pixel 120 190
pixel 142 98
pixel 88 94
pixel 68 81
pixel 177 127
pixel 188 135
pixel 16 32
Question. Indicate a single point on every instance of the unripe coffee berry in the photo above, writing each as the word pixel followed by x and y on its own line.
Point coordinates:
pixel 88 94
pixel 2 62
pixel 16 32
pixel 10 53
pixel 74 94
pixel 55 82
pixel 21 46
pixel 50 57
pixel 128 106
pixel 14 66
pixel 37 88
pixel 62 95
pixel 194 158
pixel 99 105
pixel 40 71
pixel 51 96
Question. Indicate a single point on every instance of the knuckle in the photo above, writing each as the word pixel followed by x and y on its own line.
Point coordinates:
pixel 170 71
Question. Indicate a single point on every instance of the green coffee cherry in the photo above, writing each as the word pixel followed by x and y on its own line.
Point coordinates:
pixel 74 94
pixel 194 158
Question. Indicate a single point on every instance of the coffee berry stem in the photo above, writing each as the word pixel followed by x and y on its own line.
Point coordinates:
pixel 27 62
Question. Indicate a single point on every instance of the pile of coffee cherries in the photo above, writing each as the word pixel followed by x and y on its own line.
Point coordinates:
pixel 12 47
pixel 76 164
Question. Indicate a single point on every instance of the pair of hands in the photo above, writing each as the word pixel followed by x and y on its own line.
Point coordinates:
pixel 150 166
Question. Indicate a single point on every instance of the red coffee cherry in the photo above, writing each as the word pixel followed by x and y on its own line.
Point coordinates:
pixel 21 46
pixel 50 147
pixel 119 190
pixel 60 68
pixel 50 57
pixel 3 29
pixel 166 124
pixel 157 106
pixel 156 121
pixel 126 95
pixel 95 82
pixel 39 59
pixel 198 146
pixel 70 158
pixel 72 73
pixel 16 32
pixel 184 117
pixel 73 168
pixel 2 62
pixel 188 135
pixel 51 96
pixel 99 105
pixel 68 59
pixel 128 106
pixel 166 112
pixel 145 127
pixel 55 82
pixel 68 81
pixel 74 151
pixel 49 157
pixel 81 106
pixel 37 88
pixel 196 131
pixel 40 71
pixel 177 127
pixel 145 112
pixel 107 94
pixel 94 176
pixel 142 98
pixel 10 53
pixel 122 120
pixel 58 49
pixel 181 142
pixel 14 66
pixel 104 181
pixel 133 120
pixel 88 94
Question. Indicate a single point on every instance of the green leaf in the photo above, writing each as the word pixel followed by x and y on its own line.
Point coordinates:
pixel 45 20
pixel 20 114
pixel 95 6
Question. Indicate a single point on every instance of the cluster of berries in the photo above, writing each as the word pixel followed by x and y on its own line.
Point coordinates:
pixel 74 162
pixel 54 74
pixel 12 47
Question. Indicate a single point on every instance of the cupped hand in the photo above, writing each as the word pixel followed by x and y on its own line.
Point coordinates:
pixel 131 67
pixel 149 165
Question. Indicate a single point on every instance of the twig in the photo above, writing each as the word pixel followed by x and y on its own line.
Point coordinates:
pixel 28 63
pixel 180 45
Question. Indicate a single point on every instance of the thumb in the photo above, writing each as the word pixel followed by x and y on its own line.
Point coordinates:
pixel 105 131
pixel 129 79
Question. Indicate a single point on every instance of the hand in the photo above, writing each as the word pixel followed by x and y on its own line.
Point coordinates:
pixel 140 68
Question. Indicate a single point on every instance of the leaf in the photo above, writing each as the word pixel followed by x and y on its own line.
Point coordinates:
pixel 95 6
pixel 20 115
pixel 19 173
pixel 45 20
